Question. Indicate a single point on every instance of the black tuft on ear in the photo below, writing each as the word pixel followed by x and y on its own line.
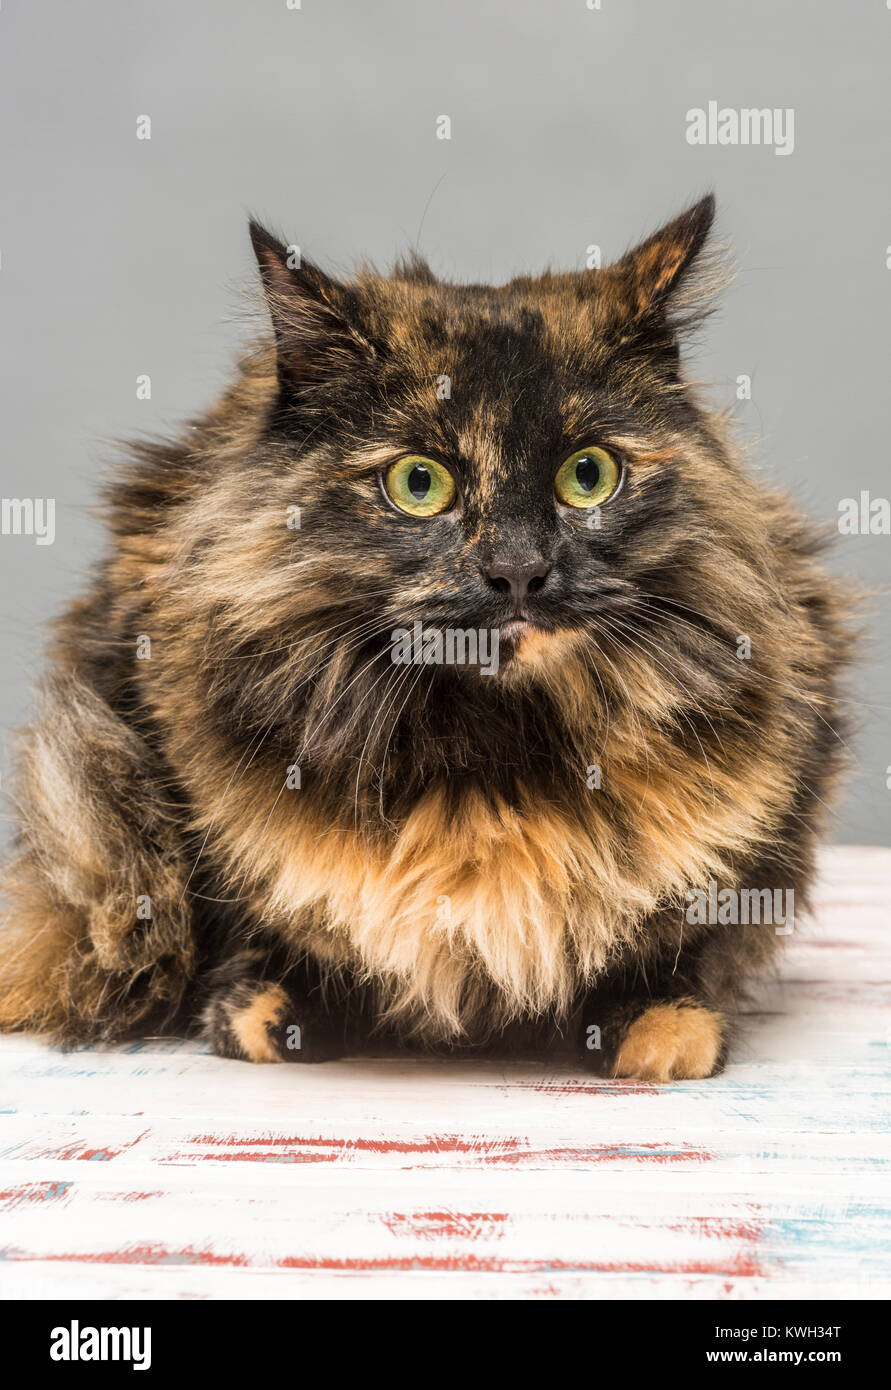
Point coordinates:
pixel 653 272
pixel 315 319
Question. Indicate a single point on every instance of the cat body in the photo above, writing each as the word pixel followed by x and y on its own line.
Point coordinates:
pixel 238 811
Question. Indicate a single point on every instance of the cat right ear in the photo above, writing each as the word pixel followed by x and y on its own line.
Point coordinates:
pixel 657 278
pixel 314 317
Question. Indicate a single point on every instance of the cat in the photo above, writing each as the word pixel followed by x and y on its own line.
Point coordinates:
pixel 239 813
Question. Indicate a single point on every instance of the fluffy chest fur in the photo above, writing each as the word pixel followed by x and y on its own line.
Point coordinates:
pixel 475 901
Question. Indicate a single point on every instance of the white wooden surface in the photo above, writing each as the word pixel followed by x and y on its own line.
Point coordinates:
pixel 159 1171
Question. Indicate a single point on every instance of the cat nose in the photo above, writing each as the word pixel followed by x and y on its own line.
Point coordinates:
pixel 518 580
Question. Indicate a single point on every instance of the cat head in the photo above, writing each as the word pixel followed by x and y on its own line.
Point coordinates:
pixel 495 460
pixel 525 461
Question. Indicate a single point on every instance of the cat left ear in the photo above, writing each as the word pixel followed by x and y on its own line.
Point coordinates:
pixel 653 271
pixel 314 317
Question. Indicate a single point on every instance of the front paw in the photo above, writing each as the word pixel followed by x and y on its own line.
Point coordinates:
pixel 262 1023
pixel 678 1041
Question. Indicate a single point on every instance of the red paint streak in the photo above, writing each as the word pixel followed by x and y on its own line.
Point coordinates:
pixel 431 1144
pixel 143 1255
pixel 34 1192
pixel 293 1149
pixel 430 1225
pixel 102 1155
pixel 128 1196
pixel 720 1227
pixel 257 1156
pixel 485 1151
pixel 611 1153
pixel 739 1266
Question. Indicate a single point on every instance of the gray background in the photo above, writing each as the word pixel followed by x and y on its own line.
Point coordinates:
pixel 568 128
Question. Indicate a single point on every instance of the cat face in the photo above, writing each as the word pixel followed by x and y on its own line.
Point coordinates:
pixel 516 459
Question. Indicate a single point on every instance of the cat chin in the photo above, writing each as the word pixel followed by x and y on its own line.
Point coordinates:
pixel 536 650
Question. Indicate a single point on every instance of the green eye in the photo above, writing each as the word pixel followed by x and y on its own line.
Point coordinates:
pixel 420 486
pixel 587 478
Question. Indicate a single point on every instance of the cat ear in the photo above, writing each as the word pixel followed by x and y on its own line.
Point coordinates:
pixel 652 273
pixel 314 317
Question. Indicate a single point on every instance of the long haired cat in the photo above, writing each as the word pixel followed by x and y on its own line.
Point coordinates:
pixel 432 680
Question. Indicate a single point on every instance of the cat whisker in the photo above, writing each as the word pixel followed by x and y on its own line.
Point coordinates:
pixel 685 717
pixel 313 733
pixel 309 637
pixel 633 712
pixel 394 680
pixel 632 633
pixel 393 726
pixel 235 774
pixel 760 675
pixel 401 678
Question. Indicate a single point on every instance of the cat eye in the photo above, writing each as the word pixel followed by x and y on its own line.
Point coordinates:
pixel 419 486
pixel 587 478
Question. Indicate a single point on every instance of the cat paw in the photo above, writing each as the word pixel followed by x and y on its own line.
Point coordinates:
pixel 263 1024
pixel 672 1042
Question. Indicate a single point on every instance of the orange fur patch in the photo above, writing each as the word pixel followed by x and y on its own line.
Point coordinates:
pixel 251 1024
pixel 671 1042
pixel 528 900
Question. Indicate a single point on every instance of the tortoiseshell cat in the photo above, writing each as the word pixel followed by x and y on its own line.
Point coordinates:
pixel 239 813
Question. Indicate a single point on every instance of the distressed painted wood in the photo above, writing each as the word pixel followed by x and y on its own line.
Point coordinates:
pixel 158 1171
